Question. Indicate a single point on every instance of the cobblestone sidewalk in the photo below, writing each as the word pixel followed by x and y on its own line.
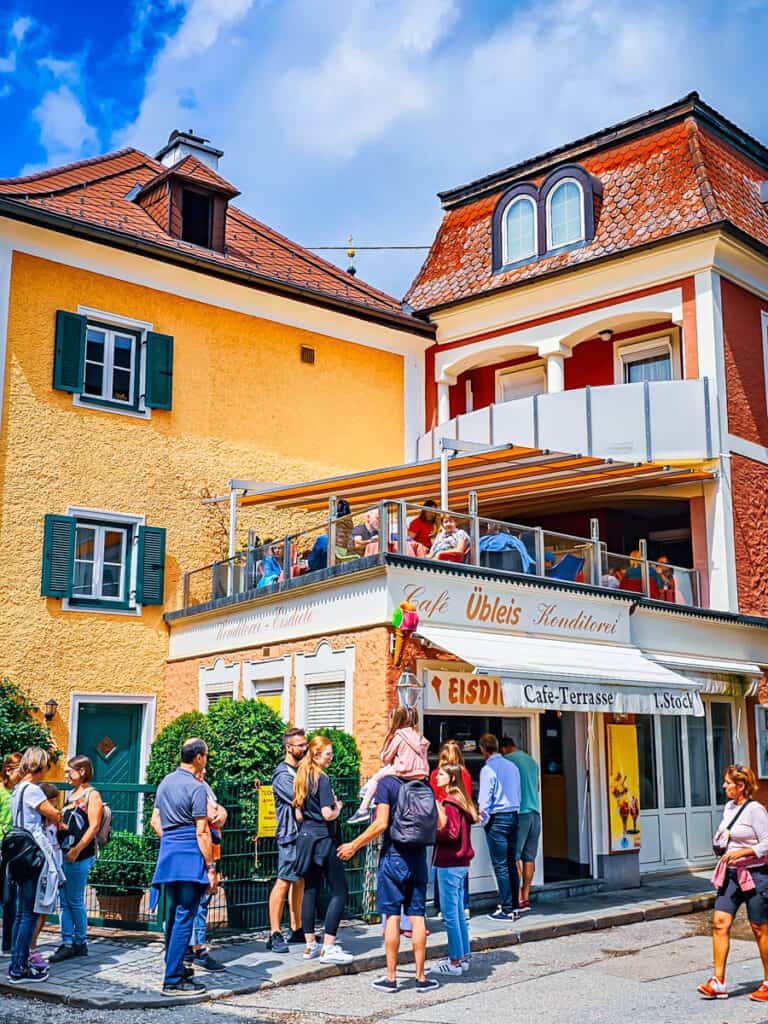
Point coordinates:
pixel 126 973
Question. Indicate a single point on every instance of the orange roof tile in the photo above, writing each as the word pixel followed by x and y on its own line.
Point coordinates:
pixel 673 178
pixel 93 192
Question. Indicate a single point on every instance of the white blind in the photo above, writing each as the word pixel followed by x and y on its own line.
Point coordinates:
pixel 522 383
pixel 213 695
pixel 324 706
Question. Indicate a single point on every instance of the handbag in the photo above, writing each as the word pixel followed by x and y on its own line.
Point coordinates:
pixel 723 835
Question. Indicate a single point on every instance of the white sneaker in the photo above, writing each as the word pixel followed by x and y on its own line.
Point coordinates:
pixel 466 964
pixel 312 951
pixel 446 967
pixel 335 955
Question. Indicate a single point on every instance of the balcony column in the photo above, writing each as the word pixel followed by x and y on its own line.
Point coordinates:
pixel 555 372
pixel 443 400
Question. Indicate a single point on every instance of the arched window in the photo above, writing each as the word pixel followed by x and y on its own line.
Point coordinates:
pixel 519 230
pixel 565 214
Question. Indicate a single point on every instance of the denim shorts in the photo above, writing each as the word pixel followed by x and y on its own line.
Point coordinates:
pixel 286 862
pixel 528 835
pixel 401 883
pixel 730 897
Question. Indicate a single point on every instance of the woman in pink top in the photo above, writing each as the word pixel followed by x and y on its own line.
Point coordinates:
pixel 404 754
pixel 741 876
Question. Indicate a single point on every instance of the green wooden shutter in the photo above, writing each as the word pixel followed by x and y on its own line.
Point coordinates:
pixel 58 556
pixel 69 352
pixel 150 574
pixel 159 391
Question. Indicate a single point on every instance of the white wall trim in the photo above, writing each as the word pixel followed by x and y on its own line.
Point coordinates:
pixel 271 669
pixel 325 666
pixel 148 702
pixel 6 265
pixel 748 449
pixel 218 678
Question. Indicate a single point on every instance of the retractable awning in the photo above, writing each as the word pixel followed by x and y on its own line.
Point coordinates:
pixel 552 675
pixel 725 677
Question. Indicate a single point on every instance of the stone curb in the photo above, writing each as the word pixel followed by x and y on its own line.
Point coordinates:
pixel 650 910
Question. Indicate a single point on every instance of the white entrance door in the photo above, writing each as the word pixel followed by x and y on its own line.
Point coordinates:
pixel 682 760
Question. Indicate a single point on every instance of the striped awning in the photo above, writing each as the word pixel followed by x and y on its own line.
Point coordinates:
pixel 512 476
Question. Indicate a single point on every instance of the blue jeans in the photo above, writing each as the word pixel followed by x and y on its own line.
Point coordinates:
pixel 184 900
pixel 23 926
pixel 74 918
pixel 199 929
pixel 9 916
pixel 501 836
pixel 436 890
pixel 451 884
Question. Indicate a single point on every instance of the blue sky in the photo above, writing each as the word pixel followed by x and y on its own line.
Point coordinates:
pixel 339 117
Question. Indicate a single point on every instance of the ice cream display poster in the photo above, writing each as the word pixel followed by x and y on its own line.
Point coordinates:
pixel 623 787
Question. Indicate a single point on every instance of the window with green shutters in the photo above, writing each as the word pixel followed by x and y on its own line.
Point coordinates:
pixel 103 563
pixel 112 365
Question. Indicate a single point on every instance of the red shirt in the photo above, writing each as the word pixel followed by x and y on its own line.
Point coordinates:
pixel 420 531
pixel 439 792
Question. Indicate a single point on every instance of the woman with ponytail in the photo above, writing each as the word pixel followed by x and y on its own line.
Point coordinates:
pixel 317 808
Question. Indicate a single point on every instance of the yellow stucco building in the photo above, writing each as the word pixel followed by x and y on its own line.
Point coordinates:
pixel 156 342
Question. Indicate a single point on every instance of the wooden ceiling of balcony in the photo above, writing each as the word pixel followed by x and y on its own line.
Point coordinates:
pixel 504 479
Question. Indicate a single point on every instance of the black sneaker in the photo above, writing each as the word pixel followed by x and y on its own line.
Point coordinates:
pixel 207 962
pixel 384 985
pixel 31 974
pixel 276 942
pixel 80 949
pixel 297 937
pixel 64 952
pixel 186 987
pixel 427 985
pixel 502 915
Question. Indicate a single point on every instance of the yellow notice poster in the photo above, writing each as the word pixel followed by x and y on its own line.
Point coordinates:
pixel 267 816
pixel 623 787
pixel 273 700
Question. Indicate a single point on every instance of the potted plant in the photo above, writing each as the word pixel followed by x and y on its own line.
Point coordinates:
pixel 121 875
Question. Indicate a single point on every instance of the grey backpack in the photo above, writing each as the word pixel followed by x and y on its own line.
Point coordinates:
pixel 415 814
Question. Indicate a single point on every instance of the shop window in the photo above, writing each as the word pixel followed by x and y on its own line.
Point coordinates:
pixel 722 745
pixel 646 756
pixel 672 761
pixel 698 761
pixel 761 736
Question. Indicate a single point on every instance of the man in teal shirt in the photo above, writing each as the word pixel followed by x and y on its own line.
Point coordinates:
pixel 529 818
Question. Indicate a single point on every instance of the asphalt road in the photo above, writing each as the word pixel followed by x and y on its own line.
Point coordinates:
pixel 643 973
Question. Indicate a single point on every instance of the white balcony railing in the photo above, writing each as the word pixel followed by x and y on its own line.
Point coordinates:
pixel 666 421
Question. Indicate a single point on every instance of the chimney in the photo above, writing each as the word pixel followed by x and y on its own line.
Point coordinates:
pixel 181 144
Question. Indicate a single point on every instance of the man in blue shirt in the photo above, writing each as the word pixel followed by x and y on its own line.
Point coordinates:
pixel 499 803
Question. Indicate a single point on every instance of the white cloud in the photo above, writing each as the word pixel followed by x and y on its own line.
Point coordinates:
pixel 8 64
pixel 203 23
pixel 66 70
pixel 20 27
pixel 5 90
pixel 65 132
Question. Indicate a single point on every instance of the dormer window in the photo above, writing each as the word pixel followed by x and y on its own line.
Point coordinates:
pixel 519 230
pixel 196 217
pixel 530 221
pixel 565 214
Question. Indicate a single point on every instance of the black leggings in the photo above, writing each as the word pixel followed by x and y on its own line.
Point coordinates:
pixel 333 870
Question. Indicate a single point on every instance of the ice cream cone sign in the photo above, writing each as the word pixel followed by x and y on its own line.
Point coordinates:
pixel 406 622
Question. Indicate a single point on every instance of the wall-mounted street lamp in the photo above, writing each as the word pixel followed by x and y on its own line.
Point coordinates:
pixel 51 707
pixel 408 689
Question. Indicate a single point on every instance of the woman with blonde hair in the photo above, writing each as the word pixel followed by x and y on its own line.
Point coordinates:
pixel 9 776
pixel 741 876
pixel 456 814
pixel 318 809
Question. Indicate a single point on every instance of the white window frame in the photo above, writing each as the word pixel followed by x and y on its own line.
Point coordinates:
pixel 551 247
pixel 539 367
pixel 220 680
pixel 648 347
pixel 272 675
pixel 99 531
pixel 506 258
pixel 325 666
pixel 761 732
pixel 108 366
pixel 127 521
pixel 116 322
pixel 764 325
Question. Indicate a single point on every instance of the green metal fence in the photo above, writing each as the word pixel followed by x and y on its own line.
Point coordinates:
pixel 118 894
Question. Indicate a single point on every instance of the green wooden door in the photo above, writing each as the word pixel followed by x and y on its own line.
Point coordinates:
pixel 110 734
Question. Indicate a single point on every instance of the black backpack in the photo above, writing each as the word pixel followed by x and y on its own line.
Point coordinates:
pixel 415 814
pixel 22 857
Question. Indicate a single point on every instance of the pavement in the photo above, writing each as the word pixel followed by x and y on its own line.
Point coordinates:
pixel 126 973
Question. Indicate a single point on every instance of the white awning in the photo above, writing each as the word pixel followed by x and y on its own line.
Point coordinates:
pixel 727 678
pixel 546 675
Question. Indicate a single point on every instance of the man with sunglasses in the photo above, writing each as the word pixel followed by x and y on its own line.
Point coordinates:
pixel 289 883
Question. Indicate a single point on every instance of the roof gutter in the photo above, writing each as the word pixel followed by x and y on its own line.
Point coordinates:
pixel 123 240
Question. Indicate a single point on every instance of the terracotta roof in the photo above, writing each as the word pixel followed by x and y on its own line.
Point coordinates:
pixel 194 170
pixel 93 193
pixel 679 174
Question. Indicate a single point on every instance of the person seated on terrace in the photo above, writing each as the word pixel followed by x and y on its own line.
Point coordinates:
pixel 423 527
pixel 344 525
pixel 270 568
pixel 365 532
pixel 633 576
pixel 450 539
pixel 318 556
pixel 498 538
